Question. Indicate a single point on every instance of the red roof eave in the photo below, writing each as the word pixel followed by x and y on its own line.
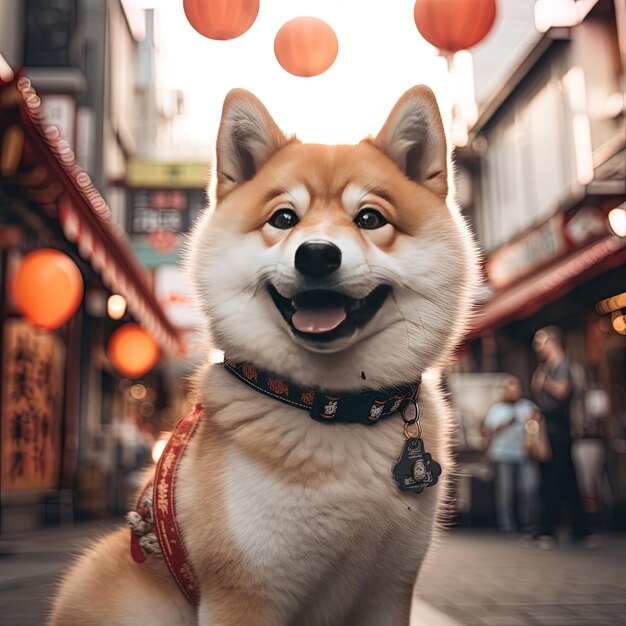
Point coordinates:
pixel 536 291
pixel 121 271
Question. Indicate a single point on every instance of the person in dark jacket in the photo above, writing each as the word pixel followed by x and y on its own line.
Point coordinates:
pixel 552 389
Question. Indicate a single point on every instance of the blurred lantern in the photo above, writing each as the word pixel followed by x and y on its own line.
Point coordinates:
pixel 618 321
pixel 138 392
pixel 617 220
pixel 306 46
pixel 616 306
pixel 47 288
pixel 612 304
pixel 132 350
pixel 221 19
pixel 116 306
pixel 146 409
pixel 453 25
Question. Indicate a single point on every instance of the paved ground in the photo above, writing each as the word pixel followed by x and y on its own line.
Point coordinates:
pixel 484 579
pixel 30 566
pixel 471 578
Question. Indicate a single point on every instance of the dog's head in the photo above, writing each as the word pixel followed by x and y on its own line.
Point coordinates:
pixel 335 266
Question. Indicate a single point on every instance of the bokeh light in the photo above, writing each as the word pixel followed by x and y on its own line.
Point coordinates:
pixel 133 351
pixel 47 288
pixel 617 220
pixel 116 306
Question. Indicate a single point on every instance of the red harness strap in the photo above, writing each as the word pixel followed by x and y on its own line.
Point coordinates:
pixel 164 509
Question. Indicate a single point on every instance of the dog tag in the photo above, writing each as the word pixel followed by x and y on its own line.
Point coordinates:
pixel 416 469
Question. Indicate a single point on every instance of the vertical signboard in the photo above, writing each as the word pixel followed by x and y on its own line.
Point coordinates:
pixel 31 407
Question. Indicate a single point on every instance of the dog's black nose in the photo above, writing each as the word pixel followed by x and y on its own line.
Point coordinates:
pixel 318 258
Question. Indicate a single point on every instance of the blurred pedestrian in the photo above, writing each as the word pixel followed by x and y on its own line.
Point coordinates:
pixel 514 474
pixel 552 386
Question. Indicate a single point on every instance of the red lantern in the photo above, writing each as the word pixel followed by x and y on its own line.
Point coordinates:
pixel 306 46
pixel 132 350
pixel 221 19
pixel 47 288
pixel 453 25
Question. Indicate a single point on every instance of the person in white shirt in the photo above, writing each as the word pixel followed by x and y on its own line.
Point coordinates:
pixel 504 427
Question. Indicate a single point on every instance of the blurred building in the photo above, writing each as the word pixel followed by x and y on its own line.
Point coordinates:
pixel 544 167
pixel 92 75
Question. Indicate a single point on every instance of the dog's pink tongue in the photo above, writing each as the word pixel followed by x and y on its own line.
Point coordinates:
pixel 318 320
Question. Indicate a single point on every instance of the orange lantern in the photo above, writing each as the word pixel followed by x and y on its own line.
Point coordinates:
pixel 47 288
pixel 306 46
pixel 221 19
pixel 453 25
pixel 132 350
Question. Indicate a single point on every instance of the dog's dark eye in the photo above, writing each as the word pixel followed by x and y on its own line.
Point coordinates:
pixel 284 219
pixel 369 219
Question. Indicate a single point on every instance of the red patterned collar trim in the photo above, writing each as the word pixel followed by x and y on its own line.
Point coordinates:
pixel 158 513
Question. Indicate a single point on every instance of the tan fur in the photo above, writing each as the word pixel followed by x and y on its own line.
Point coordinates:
pixel 288 521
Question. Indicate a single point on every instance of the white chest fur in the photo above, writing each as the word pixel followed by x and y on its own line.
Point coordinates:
pixel 350 524
pixel 295 533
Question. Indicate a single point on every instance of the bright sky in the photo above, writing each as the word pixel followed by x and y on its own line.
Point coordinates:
pixel 381 54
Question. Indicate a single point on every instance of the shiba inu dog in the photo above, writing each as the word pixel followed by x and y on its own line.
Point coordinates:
pixel 337 269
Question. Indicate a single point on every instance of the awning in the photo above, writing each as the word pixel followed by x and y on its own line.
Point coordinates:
pixel 35 158
pixel 535 292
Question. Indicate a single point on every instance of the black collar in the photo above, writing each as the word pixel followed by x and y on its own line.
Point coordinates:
pixel 363 407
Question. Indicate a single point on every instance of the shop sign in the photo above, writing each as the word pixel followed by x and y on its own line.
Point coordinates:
pixel 514 260
pixel 558 236
pixel 31 407
pixel 174 291
pixel 155 256
pixel 156 174
pixel 49 29
pixel 164 210
pixel 169 210
pixel 157 219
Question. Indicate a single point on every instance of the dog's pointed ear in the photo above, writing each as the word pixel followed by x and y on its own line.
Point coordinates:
pixel 414 138
pixel 247 138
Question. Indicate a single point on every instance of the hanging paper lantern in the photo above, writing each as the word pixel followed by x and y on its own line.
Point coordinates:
pixel 306 46
pixel 47 288
pixel 221 19
pixel 132 350
pixel 453 25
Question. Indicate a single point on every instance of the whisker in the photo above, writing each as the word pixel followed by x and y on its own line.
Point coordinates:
pixel 424 326
pixel 256 285
pixel 384 272
pixel 406 326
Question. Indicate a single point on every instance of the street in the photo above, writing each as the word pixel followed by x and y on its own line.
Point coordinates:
pixel 481 578
pixel 189 213
pixel 475 578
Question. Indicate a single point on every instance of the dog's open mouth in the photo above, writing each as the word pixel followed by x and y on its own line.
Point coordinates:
pixel 321 315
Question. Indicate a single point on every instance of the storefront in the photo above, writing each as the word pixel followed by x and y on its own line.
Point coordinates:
pixel 61 400
pixel 542 174
pixel 555 274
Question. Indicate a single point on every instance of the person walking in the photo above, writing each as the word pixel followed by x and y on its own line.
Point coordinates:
pixel 552 388
pixel 504 427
